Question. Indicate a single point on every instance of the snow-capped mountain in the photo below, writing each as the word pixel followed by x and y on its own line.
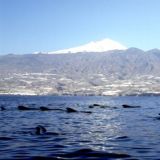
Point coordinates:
pixel 95 46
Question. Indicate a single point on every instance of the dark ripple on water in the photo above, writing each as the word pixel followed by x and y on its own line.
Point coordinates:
pixel 108 133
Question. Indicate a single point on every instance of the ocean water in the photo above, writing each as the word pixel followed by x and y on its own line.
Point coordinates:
pixel 111 132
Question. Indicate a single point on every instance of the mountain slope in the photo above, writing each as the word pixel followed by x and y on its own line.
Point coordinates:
pixel 129 62
pixel 130 71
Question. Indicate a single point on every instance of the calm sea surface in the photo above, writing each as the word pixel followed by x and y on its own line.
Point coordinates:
pixel 111 132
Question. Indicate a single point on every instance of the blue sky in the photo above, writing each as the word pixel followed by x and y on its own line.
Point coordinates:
pixel 27 26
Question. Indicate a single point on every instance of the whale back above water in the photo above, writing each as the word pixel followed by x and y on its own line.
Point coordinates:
pixel 40 130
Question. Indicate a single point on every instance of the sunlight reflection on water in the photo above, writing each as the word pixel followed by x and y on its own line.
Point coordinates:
pixel 130 131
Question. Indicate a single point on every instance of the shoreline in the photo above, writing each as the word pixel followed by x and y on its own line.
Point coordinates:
pixel 81 95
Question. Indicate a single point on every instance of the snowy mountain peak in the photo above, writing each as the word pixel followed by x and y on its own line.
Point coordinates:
pixel 95 46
